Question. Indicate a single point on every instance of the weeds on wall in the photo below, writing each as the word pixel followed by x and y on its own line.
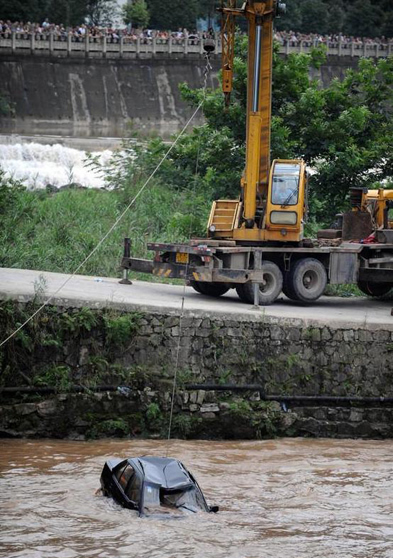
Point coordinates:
pixel 82 346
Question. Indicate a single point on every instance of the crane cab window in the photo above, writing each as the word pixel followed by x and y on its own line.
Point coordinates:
pixel 285 184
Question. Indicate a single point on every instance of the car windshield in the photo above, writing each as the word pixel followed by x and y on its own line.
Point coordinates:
pixel 161 501
pixel 189 499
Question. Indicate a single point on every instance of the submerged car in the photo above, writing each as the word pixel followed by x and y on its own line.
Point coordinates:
pixel 152 485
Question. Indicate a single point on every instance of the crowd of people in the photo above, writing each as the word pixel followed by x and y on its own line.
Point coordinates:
pixel 294 38
pixel 60 32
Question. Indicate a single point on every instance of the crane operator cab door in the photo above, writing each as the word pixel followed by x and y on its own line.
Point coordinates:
pixel 286 201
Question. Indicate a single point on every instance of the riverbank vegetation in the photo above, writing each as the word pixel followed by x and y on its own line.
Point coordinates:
pixel 344 132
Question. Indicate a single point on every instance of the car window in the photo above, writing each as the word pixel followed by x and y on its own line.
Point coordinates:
pixel 133 489
pixel 125 476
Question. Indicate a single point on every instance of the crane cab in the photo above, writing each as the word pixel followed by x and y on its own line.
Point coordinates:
pixel 282 209
pixel 286 201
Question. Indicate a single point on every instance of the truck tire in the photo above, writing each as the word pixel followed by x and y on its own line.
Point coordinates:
pixel 209 289
pixel 286 288
pixel 306 281
pixel 269 292
pixel 374 289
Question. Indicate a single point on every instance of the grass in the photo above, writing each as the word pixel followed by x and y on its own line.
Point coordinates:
pixel 56 231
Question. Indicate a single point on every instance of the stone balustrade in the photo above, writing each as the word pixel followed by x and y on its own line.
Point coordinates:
pixel 69 45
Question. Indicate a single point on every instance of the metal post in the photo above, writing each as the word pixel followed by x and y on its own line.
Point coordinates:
pixel 126 255
pixel 257 267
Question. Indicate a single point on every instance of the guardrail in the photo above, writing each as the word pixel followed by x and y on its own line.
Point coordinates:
pixel 68 45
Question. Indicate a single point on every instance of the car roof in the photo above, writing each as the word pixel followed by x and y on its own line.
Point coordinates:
pixel 168 473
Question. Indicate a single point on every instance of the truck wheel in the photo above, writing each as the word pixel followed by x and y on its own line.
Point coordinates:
pixel 268 292
pixel 374 289
pixel 306 281
pixel 209 289
pixel 286 288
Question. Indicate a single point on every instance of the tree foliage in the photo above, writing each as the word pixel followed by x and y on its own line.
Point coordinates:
pixel 173 14
pixel 68 12
pixel 136 14
pixel 344 132
pixel 362 18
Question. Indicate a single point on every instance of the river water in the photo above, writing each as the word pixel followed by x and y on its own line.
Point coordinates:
pixel 293 498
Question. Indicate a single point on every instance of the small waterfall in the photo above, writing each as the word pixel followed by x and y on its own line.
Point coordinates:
pixel 37 165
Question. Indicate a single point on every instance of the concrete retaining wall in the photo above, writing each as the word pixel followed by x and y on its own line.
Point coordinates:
pixel 284 356
pixel 96 97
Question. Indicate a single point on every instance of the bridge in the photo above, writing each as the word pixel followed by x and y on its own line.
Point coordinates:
pixel 69 45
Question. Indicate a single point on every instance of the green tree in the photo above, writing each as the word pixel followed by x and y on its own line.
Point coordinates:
pixel 101 12
pixel 23 10
pixel 136 14
pixel 365 19
pixel 314 16
pixel 68 12
pixel 174 14
pixel 344 132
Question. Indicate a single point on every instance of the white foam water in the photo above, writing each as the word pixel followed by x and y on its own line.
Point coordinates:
pixel 37 165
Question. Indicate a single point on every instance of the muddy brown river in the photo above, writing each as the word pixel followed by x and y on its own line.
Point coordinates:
pixel 290 498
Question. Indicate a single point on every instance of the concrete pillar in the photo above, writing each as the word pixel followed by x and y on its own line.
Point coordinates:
pixel 87 44
pixel 154 45
pixel 352 49
pixel 121 49
pixel 51 45
pixel 185 44
pixel 340 46
pixel 301 46
pixel 138 46
pixel 170 44
pixel 201 51
pixel 32 42
pixel 390 48
pixel 364 48
pixel 104 49
pixel 13 41
pixel 69 43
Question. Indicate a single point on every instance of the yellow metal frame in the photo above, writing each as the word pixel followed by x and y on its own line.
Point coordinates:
pixel 379 197
pixel 257 178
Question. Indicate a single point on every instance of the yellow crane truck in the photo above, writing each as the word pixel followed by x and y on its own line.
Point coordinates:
pixel 255 244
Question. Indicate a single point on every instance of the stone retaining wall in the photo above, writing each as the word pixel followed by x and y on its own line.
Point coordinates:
pixel 285 357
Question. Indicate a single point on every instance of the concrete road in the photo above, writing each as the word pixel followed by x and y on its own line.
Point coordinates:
pixel 97 292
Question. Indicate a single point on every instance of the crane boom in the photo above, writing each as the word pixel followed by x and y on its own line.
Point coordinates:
pixel 259 215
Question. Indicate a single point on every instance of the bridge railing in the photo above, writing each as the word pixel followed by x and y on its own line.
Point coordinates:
pixel 107 46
